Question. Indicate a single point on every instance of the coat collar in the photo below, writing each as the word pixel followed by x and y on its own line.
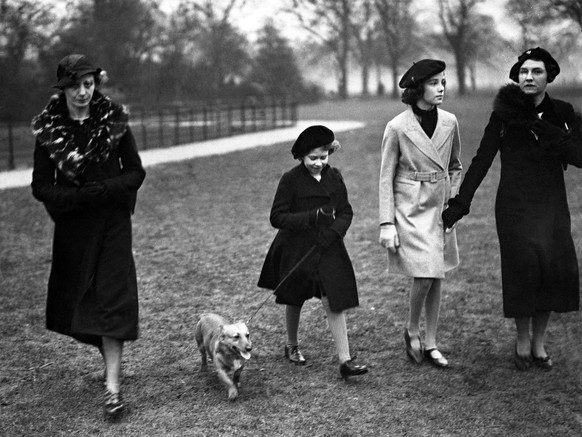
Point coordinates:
pixel 428 146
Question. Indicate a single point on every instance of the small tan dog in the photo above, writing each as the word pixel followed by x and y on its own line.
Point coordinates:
pixel 226 345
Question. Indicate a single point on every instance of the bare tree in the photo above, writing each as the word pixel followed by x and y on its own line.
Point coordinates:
pixel 363 30
pixel 541 22
pixel 531 16
pixel 24 28
pixel 222 47
pixel 329 22
pixel 571 9
pixel 398 27
pixel 456 18
pixel 483 45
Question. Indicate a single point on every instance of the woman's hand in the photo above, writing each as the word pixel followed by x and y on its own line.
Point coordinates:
pixel 389 237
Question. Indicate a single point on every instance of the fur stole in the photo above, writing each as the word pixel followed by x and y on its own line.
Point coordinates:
pixel 513 106
pixel 55 131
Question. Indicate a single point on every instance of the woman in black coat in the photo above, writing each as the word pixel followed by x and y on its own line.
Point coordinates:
pixel 87 172
pixel 312 212
pixel 537 137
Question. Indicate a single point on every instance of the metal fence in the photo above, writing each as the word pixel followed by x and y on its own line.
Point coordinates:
pixel 169 126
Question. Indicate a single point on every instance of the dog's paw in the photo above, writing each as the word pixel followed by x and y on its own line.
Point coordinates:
pixel 232 393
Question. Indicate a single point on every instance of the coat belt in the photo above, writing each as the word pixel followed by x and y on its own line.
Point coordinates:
pixel 423 176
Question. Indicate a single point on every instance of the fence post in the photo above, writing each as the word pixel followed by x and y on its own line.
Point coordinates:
pixel 161 127
pixel 218 119
pixel 243 116
pixel 205 122
pixel 229 119
pixel 191 124
pixel 144 132
pixel 284 115
pixel 274 113
pixel 177 127
pixel 11 165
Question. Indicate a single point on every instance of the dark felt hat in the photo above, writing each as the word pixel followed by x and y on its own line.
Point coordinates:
pixel 72 67
pixel 312 138
pixel 420 71
pixel 538 54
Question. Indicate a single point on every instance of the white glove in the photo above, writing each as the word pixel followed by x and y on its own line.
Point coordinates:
pixel 389 238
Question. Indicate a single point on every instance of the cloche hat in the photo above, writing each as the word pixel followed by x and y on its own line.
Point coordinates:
pixel 72 67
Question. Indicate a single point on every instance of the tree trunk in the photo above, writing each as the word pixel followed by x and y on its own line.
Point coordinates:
pixel 395 80
pixel 461 73
pixel 365 79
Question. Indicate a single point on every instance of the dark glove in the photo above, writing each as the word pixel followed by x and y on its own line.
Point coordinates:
pixel 322 217
pixel 548 134
pixel 326 236
pixel 92 193
pixel 453 213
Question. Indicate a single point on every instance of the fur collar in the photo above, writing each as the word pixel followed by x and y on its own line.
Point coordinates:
pixel 55 132
pixel 514 106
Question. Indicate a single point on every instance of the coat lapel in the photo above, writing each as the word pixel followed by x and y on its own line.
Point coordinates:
pixel 421 141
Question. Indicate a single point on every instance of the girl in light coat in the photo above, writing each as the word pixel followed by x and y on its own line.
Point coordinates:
pixel 420 171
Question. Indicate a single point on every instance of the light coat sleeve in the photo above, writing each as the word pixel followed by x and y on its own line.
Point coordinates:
pixel 455 166
pixel 389 163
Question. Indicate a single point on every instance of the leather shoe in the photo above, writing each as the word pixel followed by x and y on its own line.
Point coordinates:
pixel 544 363
pixel 436 358
pixel 349 368
pixel 522 362
pixel 293 354
pixel 414 354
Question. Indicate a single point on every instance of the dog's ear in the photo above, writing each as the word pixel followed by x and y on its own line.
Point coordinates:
pixel 222 335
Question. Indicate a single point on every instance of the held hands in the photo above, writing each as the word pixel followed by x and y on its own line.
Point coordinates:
pixel 389 237
pixel 452 214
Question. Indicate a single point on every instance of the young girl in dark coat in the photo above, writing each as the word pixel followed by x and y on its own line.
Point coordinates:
pixel 87 172
pixel 312 212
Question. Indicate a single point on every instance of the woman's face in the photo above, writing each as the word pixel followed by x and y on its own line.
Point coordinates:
pixel 533 77
pixel 316 160
pixel 434 91
pixel 79 95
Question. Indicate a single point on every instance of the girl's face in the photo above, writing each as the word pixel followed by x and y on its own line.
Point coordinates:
pixel 434 92
pixel 533 77
pixel 79 95
pixel 316 160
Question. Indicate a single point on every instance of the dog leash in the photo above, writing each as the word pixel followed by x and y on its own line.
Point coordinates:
pixel 295 267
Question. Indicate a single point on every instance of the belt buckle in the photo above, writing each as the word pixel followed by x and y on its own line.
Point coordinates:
pixel 433 177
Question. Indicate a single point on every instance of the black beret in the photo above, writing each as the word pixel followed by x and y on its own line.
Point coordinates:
pixel 537 54
pixel 420 71
pixel 312 138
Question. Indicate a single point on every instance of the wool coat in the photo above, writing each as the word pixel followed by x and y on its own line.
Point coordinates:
pixel 92 288
pixel 418 175
pixel 539 267
pixel 328 270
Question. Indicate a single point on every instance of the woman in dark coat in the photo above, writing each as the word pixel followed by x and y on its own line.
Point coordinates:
pixel 312 212
pixel 87 172
pixel 537 138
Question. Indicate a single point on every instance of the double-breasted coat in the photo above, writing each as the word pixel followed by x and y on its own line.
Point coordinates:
pixel 92 289
pixel 539 267
pixel 418 175
pixel 329 269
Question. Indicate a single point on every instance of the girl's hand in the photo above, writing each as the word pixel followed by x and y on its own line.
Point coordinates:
pixel 389 237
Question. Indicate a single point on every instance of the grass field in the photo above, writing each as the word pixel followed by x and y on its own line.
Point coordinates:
pixel 201 232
